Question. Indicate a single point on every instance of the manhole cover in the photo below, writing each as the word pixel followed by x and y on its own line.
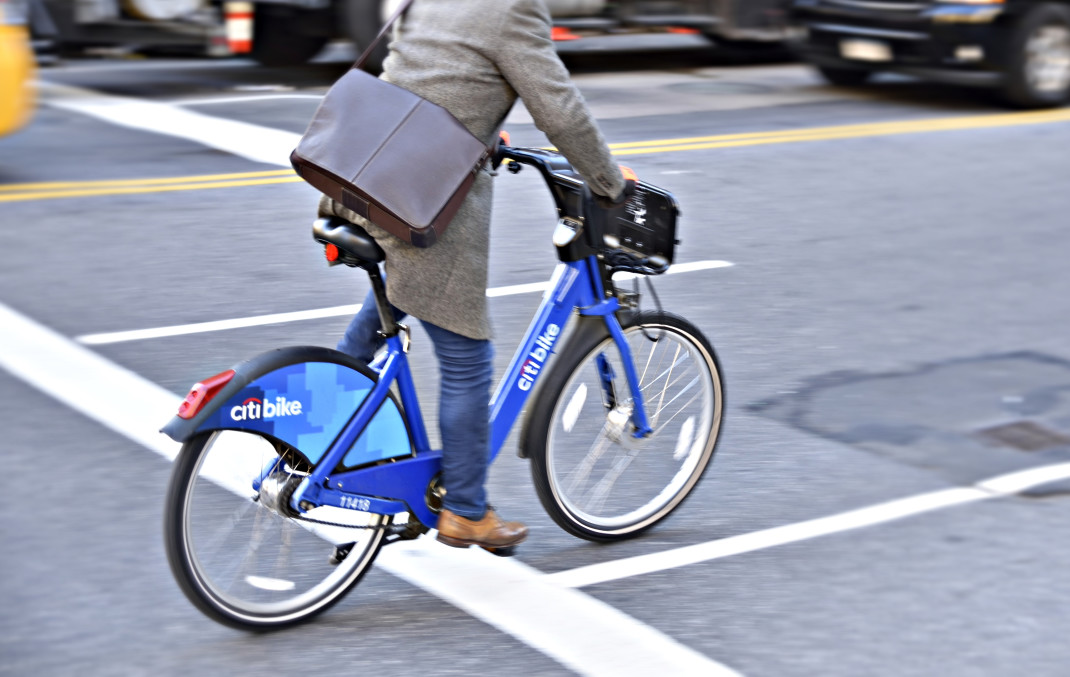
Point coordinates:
pixel 1024 435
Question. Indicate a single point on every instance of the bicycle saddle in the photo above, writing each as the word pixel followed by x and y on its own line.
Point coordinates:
pixel 351 239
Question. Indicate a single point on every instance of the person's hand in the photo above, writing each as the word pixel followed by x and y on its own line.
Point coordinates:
pixel 631 179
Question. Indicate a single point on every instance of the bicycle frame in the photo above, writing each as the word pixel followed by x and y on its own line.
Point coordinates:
pixel 574 285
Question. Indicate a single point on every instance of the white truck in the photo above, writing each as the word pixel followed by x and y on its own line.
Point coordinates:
pixel 290 32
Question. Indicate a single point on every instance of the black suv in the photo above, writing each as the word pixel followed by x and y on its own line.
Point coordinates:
pixel 1021 47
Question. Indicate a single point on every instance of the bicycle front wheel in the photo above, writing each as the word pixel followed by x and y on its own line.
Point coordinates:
pixel 594 477
pixel 240 554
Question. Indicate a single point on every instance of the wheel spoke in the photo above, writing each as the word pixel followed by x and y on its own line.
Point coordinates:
pixel 678 412
pixel 597 498
pixel 668 378
pixel 677 396
pixel 663 374
pixel 215 542
pixel 581 472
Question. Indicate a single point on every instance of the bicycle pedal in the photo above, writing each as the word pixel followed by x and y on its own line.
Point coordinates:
pixel 408 531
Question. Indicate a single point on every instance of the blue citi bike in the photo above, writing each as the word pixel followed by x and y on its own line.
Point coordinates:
pixel 298 465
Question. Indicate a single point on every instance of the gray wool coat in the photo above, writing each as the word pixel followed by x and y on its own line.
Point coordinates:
pixel 474 58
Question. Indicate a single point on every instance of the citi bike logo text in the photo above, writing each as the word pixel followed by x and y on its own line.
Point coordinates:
pixel 537 357
pixel 253 409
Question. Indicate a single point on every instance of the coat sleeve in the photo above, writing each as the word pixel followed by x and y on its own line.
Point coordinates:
pixel 525 55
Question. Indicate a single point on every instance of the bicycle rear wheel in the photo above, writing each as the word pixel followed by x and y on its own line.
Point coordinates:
pixel 239 554
pixel 593 477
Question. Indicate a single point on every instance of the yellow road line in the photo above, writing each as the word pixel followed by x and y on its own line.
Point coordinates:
pixel 119 183
pixel 132 189
pixel 867 129
pixel 70 189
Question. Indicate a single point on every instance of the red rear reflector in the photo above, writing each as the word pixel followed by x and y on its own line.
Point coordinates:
pixel 629 174
pixel 504 136
pixel 331 252
pixel 681 30
pixel 200 394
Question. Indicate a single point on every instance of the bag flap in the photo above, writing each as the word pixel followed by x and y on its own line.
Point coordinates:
pixel 357 115
pixel 421 166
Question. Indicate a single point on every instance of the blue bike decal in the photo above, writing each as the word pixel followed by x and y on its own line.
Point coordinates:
pixel 384 437
pixel 306 405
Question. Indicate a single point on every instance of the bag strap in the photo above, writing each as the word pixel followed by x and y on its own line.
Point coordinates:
pixel 379 38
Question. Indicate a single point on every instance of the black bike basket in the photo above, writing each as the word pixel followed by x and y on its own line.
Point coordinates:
pixel 645 225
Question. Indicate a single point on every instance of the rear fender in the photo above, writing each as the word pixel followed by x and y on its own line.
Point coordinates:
pixel 302 396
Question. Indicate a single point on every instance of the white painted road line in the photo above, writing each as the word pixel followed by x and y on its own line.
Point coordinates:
pixel 242 99
pixel 996 487
pixel 216 325
pixel 86 382
pixel 335 311
pixel 253 142
pixel 580 632
pixel 1023 480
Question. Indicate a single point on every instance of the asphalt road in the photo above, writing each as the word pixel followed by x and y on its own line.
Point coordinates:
pixel 895 291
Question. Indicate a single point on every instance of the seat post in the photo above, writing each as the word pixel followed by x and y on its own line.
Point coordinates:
pixel 382 304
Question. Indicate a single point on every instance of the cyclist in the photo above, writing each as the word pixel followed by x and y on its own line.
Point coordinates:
pixel 474 58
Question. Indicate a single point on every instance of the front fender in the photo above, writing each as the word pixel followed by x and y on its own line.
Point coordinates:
pixel 586 331
pixel 302 396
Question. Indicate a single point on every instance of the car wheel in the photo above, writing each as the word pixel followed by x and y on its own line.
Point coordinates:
pixel 288 36
pixel 1038 65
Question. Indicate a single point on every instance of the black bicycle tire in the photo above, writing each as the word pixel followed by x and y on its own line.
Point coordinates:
pixel 175 546
pixel 577 350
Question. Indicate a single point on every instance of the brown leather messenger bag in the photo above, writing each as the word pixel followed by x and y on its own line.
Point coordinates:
pixel 398 160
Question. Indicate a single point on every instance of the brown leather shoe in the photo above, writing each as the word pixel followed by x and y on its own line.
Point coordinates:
pixel 491 532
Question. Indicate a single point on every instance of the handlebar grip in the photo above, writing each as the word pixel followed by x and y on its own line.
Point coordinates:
pixel 500 146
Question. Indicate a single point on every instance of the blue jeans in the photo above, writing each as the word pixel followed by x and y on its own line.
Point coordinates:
pixel 467 368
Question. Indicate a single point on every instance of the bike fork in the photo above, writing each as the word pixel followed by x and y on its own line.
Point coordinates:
pixel 638 414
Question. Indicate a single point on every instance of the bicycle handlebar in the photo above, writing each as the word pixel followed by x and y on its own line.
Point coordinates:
pixel 628 236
